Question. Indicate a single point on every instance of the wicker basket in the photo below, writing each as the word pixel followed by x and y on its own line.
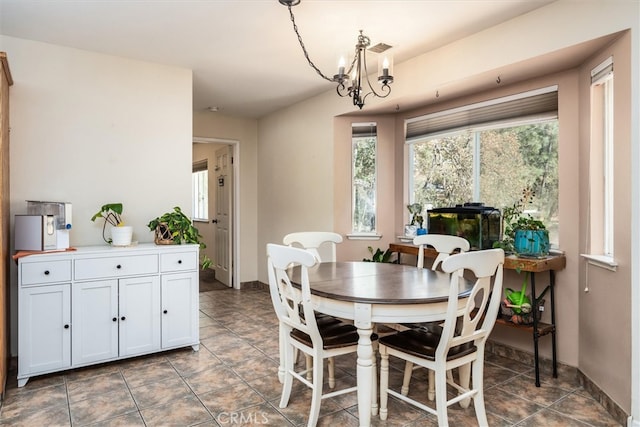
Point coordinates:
pixel 163 235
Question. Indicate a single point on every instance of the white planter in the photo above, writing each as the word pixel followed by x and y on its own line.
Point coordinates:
pixel 121 236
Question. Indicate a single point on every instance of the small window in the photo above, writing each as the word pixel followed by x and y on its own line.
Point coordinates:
pixel 363 178
pixel 601 161
pixel 200 190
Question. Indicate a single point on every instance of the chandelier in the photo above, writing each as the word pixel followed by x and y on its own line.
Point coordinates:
pixel 353 81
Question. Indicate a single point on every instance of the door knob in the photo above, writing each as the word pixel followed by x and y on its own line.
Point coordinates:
pixel 214 221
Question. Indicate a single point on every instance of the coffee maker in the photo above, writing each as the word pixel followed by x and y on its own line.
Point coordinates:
pixel 44 227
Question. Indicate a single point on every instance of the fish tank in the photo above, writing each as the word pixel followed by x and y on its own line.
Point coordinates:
pixel 479 224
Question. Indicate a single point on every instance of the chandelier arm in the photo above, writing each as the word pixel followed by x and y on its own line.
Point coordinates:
pixel 304 49
pixel 385 86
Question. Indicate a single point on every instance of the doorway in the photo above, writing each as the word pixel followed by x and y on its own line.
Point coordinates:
pixel 220 229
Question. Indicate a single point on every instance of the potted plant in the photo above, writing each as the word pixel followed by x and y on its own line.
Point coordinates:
pixel 523 234
pixel 121 234
pixel 378 255
pixel 176 228
pixel 415 209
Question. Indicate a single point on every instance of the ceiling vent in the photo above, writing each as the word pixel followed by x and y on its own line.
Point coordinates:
pixel 379 48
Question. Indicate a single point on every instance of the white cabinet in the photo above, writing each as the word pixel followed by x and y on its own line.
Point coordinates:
pixel 179 319
pixel 102 303
pixel 44 331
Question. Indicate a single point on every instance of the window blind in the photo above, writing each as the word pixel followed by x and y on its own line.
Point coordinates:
pixel 602 71
pixel 539 104
pixel 362 130
pixel 200 165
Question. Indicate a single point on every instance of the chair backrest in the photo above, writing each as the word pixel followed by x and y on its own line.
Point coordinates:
pixel 288 299
pixel 312 240
pixel 444 244
pixel 481 308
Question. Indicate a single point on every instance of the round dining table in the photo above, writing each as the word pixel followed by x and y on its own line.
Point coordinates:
pixel 372 293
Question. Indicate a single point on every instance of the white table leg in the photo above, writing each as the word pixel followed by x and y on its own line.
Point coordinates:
pixel 365 377
pixel 365 367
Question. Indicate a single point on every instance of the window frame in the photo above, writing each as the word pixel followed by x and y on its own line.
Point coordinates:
pixel 357 234
pixel 200 190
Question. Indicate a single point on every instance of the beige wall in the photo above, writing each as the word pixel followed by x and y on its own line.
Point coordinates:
pixel 244 131
pixel 605 314
pixel 91 129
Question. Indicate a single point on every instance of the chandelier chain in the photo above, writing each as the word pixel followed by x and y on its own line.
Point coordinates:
pixel 304 49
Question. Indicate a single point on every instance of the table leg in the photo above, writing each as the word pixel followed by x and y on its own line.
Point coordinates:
pixel 464 374
pixel 365 378
pixel 365 369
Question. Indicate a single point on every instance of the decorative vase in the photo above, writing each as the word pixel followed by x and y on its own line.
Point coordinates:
pixel 532 243
pixel 121 236
pixel 421 231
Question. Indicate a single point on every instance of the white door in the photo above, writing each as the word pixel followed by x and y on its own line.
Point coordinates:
pixel 180 309
pixel 95 321
pixel 44 334
pixel 224 213
pixel 139 315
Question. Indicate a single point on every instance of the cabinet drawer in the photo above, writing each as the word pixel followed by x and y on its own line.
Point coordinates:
pixel 100 268
pixel 178 261
pixel 37 273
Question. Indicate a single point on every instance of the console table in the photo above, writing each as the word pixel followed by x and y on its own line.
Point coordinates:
pixel 531 266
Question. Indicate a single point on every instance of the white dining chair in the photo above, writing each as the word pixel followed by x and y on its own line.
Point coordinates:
pixel 445 245
pixel 460 341
pixel 312 241
pixel 299 329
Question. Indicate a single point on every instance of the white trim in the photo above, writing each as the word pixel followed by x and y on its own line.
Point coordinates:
pixel 360 236
pixel 602 261
pixel 634 419
pixel 236 260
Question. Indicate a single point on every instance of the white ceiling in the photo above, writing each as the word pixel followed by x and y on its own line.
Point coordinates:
pixel 245 57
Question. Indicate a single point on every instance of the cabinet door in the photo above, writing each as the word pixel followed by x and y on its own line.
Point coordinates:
pixel 95 321
pixel 180 309
pixel 139 315
pixel 44 336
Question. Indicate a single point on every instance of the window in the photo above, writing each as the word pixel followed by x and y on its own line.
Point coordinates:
pixel 200 190
pixel 601 160
pixel 363 178
pixel 490 153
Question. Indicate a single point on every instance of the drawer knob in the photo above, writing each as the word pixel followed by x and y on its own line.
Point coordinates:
pixel 179 261
pixel 118 266
pixel 165 311
pixel 123 318
pixel 115 319
pixel 66 326
pixel 46 272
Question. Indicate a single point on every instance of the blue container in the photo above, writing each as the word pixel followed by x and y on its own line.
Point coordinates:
pixel 532 243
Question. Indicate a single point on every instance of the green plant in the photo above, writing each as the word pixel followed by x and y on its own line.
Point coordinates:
pixel 180 229
pixel 415 209
pixel 378 255
pixel 515 218
pixel 112 214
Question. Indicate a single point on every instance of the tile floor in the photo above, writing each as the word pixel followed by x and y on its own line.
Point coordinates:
pixel 232 380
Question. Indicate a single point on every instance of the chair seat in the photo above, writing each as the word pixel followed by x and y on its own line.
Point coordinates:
pixel 423 343
pixel 334 335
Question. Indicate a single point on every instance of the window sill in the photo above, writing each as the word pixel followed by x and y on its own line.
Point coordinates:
pixel 601 261
pixel 200 220
pixel 360 236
